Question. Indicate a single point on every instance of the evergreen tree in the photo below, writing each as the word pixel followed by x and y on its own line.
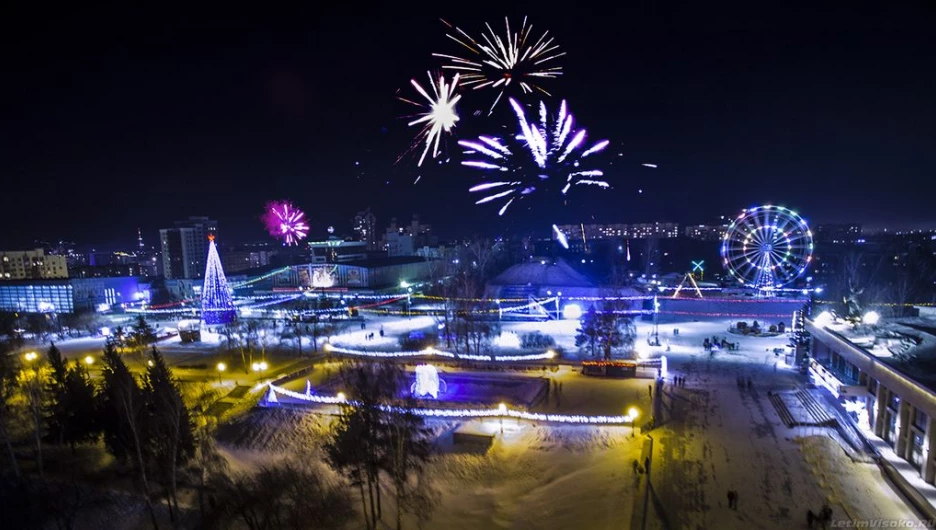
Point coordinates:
pixel 123 415
pixel 71 414
pixel 8 388
pixel 56 419
pixel 142 333
pixel 172 442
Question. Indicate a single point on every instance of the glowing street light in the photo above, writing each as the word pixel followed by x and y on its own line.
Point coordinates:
pixel 342 397
pixel 871 318
pixel 89 360
pixel 31 356
pixel 631 417
pixel 221 367
pixel 260 366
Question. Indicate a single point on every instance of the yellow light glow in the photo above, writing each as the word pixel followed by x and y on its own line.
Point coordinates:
pixel 89 360
pixel 633 413
pixel 222 367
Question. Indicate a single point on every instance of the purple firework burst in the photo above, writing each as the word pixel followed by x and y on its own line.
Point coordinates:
pixel 285 222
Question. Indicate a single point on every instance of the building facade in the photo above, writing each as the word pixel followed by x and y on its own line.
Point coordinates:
pixel 619 231
pixel 31 265
pixel 70 295
pixel 403 240
pixel 876 374
pixel 706 232
pixel 335 250
pixel 838 233
pixel 185 247
pixel 365 228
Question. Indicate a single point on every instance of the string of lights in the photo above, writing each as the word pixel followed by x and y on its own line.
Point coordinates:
pixel 432 352
pixel 501 411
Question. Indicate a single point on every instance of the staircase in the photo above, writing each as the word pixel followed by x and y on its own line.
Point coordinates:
pixel 817 411
pixel 782 410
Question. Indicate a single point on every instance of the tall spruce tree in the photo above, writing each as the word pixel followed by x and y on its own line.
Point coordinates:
pixel 173 442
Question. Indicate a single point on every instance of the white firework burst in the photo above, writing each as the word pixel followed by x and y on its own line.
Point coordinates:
pixel 439 116
pixel 557 151
pixel 502 63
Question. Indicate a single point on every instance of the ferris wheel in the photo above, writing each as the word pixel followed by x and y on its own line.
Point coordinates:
pixel 767 247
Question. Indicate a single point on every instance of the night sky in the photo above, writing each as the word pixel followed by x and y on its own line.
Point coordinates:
pixel 114 118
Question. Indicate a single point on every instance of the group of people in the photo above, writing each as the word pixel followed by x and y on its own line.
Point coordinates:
pixel 716 343
pixel 741 383
pixel 554 388
pixel 370 336
pixel 679 381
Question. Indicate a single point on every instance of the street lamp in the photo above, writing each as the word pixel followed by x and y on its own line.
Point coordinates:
pixel 341 397
pixel 632 414
pixel 221 367
pixel 31 356
pixel 89 360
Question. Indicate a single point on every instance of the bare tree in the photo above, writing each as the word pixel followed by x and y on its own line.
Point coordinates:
pixel 33 383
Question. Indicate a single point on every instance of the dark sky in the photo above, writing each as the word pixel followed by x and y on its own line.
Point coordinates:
pixel 114 118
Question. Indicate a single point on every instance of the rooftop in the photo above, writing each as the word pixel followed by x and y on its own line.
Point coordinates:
pixel 906 344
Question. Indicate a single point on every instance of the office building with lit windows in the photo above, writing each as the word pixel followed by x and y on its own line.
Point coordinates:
pixel 31 265
pixel 185 247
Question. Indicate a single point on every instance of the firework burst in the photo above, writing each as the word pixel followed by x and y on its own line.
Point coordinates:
pixel 285 222
pixel 439 116
pixel 557 150
pixel 515 61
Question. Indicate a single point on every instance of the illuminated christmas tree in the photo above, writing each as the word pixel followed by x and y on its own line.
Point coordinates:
pixel 217 304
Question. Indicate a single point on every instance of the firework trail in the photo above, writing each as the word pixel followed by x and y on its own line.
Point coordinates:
pixel 557 151
pixel 439 116
pixel 512 62
pixel 285 222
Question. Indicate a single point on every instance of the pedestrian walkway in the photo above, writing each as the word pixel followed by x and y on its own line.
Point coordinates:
pixel 926 492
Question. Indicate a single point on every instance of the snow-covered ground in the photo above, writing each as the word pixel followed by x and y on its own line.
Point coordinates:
pixel 715 436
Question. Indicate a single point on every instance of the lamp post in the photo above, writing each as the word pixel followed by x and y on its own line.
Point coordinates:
pixel 221 367
pixel 631 417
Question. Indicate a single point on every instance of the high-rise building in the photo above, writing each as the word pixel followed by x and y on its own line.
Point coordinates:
pixel 31 265
pixel 365 228
pixel 185 247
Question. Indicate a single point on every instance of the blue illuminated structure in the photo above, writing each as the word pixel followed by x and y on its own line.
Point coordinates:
pixel 217 304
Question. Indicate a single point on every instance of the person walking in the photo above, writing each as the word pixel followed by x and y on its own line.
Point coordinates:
pixel 650 391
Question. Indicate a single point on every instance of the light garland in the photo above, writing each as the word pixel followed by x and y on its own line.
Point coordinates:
pixel 431 352
pixel 501 411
